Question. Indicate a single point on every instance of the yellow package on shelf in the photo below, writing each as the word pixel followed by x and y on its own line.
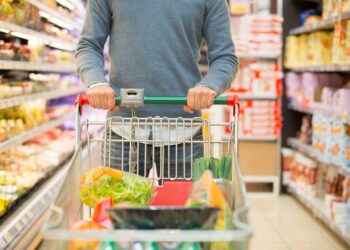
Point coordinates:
pixel 339 43
pixel 347 41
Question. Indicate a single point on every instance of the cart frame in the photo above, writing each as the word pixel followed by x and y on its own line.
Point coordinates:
pixel 67 207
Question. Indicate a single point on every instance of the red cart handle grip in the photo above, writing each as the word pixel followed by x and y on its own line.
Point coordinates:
pixel 82 100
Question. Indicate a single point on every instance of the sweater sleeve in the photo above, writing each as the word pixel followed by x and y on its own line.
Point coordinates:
pixel 89 55
pixel 223 63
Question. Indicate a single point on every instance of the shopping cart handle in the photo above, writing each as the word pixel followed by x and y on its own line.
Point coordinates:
pixel 231 100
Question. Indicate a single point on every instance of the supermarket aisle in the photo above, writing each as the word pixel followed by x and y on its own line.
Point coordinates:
pixel 284 224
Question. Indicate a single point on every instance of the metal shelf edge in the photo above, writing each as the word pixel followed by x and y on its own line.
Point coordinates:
pixel 54 13
pixel 258 138
pixel 312 204
pixel 324 24
pixel 32 209
pixel 34 33
pixel 27 66
pixel 46 95
pixel 326 68
pixel 311 152
pixel 19 139
pixel 308 110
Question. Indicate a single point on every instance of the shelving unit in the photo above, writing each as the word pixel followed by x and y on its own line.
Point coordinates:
pixel 25 33
pixel 43 67
pixel 344 117
pixel 46 95
pixel 259 56
pixel 326 68
pixel 311 152
pixel 55 14
pixel 258 138
pixel 19 139
pixel 316 206
pixel 23 221
pixel 321 25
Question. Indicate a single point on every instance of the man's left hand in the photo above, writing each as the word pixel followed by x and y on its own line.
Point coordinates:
pixel 199 97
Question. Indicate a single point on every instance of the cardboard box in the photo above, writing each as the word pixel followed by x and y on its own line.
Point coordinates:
pixel 258 158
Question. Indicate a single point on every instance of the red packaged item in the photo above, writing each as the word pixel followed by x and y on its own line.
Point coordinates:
pixel 100 215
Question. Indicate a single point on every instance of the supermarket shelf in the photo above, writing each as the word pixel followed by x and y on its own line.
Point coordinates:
pixel 17 225
pixel 317 208
pixel 19 139
pixel 325 68
pixel 44 67
pixel 321 25
pixel 258 97
pixel 311 152
pixel 55 14
pixel 301 109
pixel 258 55
pixel 27 34
pixel 344 117
pixel 258 138
pixel 46 95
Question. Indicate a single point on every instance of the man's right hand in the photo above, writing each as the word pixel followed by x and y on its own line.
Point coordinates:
pixel 102 97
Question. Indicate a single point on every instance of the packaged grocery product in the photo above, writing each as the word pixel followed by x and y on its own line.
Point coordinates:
pixel 102 182
pixel 205 192
pixel 100 215
pixel 288 157
pixel 347 39
pixel 339 43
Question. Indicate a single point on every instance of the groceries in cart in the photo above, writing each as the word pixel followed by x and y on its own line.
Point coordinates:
pixel 220 168
pixel 121 200
pixel 103 182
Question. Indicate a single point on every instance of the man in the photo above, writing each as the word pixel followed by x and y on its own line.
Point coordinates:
pixel 155 45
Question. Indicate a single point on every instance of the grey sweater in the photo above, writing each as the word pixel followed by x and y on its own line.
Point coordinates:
pixel 154 45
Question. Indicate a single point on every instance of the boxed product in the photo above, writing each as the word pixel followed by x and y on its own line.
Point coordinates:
pixel 347 40
pixel 288 158
pixel 339 43
pixel 319 48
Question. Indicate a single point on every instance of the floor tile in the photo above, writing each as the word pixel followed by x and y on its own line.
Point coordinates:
pixel 266 235
pixel 256 245
pixel 310 246
pixel 284 223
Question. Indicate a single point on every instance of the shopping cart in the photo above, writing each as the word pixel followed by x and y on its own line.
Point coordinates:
pixel 152 136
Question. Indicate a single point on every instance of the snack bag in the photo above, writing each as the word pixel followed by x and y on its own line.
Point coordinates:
pixel 103 182
pixel 206 192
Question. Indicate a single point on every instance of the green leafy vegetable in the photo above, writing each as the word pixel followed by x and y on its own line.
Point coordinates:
pixel 220 168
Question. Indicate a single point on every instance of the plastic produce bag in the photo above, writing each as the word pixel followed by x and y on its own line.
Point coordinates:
pixel 206 192
pixel 103 182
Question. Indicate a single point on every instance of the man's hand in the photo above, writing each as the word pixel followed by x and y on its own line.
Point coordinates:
pixel 102 97
pixel 199 97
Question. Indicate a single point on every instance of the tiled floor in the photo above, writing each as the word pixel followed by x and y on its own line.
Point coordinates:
pixel 284 224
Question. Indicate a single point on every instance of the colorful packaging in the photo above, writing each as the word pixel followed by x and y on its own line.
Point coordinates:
pixel 339 43
pixel 206 192
pixel 347 39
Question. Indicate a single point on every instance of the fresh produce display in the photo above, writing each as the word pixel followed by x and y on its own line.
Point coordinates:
pixel 220 168
pixel 23 13
pixel 36 83
pixel 33 52
pixel 16 120
pixel 22 167
pixel 103 182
